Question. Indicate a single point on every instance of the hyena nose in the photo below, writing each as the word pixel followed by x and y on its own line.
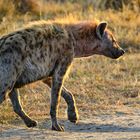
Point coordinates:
pixel 122 51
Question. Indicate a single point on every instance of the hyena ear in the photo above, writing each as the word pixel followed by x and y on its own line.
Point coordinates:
pixel 100 29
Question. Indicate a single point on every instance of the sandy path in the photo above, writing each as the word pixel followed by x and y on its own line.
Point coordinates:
pixel 104 127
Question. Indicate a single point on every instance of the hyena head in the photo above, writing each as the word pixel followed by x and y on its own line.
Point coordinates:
pixel 106 42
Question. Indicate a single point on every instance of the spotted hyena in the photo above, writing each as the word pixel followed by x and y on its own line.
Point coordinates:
pixel 44 51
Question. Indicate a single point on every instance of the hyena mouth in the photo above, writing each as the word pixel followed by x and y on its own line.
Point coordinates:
pixel 117 54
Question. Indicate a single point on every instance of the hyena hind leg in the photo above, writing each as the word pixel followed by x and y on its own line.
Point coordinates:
pixel 15 99
pixel 72 109
pixel 69 98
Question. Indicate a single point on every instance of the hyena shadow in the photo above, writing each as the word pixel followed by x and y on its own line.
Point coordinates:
pixel 88 127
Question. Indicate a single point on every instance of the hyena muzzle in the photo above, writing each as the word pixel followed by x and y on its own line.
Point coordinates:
pixel 44 51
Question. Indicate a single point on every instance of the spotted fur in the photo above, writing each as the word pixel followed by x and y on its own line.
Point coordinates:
pixel 44 51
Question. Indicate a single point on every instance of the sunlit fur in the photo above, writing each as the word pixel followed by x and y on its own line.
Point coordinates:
pixel 46 49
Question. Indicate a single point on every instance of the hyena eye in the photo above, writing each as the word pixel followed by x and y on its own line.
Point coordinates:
pixel 113 41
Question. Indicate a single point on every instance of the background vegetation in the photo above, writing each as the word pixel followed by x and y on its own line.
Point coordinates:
pixel 100 85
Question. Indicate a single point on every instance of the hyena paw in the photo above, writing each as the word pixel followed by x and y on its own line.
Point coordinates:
pixel 31 123
pixel 57 127
pixel 73 116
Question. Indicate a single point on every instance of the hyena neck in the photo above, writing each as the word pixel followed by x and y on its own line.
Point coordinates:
pixel 85 39
pixel 82 48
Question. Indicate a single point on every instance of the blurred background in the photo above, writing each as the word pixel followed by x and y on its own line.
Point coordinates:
pixel 100 85
pixel 122 15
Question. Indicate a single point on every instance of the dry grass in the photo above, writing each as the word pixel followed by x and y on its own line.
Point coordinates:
pixel 99 84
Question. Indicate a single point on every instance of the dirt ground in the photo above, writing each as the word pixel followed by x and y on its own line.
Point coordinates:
pixel 101 127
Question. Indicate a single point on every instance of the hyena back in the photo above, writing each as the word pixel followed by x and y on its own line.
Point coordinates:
pixel 44 52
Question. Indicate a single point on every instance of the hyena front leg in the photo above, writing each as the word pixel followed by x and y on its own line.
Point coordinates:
pixel 15 99
pixel 70 100
pixel 57 81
